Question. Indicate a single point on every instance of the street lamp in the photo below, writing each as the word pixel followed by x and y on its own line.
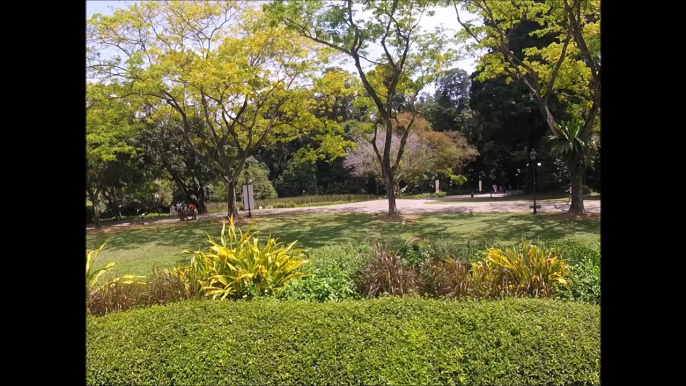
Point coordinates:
pixel 533 159
pixel 247 192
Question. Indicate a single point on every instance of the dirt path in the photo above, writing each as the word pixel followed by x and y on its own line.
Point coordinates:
pixel 405 206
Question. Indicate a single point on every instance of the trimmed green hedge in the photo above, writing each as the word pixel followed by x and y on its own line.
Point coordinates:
pixel 382 341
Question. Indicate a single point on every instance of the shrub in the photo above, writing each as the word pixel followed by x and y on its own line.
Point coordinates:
pixel 92 274
pixel 162 287
pixel 584 273
pixel 449 278
pixel 284 204
pixel 330 275
pixel 111 296
pixel 523 269
pixel 381 341
pixel 238 267
pixel 386 273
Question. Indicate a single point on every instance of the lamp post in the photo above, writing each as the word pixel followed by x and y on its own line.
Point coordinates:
pixel 247 192
pixel 533 161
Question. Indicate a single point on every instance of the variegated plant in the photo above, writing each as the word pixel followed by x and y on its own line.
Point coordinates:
pixel 524 269
pixel 238 267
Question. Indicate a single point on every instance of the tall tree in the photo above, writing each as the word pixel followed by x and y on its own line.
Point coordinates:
pixel 110 124
pixel 410 57
pixel 569 68
pixel 450 99
pixel 166 150
pixel 219 61
pixel 427 153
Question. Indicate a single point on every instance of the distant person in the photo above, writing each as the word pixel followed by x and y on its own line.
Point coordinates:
pixel 570 195
pixel 191 207
pixel 495 188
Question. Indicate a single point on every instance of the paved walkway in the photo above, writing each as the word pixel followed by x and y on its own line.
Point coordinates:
pixel 405 206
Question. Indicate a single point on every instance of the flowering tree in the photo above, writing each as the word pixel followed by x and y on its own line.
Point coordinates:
pixel 426 153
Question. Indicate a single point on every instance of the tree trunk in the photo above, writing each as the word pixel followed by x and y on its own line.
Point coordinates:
pixel 115 202
pixel 576 175
pixel 231 199
pixel 96 211
pixel 390 189
pixel 201 201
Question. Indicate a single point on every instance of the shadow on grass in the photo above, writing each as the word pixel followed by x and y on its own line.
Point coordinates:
pixel 505 227
pixel 317 230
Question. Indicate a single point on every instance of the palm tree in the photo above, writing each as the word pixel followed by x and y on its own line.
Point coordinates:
pixel 575 151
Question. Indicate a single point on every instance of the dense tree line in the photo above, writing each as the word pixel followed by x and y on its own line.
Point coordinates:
pixel 187 100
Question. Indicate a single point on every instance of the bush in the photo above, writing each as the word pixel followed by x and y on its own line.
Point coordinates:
pixel 449 278
pixel 114 295
pixel 286 204
pixel 238 267
pixel 426 195
pixel 330 275
pixel 525 269
pixel 162 287
pixel 584 273
pixel 386 273
pixel 381 341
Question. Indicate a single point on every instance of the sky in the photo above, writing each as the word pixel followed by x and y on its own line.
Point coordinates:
pixel 445 16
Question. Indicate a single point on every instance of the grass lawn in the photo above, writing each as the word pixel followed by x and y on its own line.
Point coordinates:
pixel 547 197
pixel 140 248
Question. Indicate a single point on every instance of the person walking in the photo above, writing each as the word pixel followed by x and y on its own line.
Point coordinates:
pixel 569 200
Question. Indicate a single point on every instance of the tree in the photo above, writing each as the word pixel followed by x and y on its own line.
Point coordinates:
pixel 218 61
pixel 109 124
pixel 410 58
pixel 450 99
pixel 567 69
pixel 574 150
pixel 166 150
pixel 258 176
pixel 427 153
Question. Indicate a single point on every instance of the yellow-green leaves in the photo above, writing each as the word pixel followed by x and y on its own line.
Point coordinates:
pixel 559 67
pixel 524 269
pixel 214 60
pixel 239 266
pixel 92 274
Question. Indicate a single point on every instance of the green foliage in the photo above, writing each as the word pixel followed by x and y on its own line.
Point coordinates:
pixel 99 296
pixel 297 179
pixel 92 274
pixel 569 140
pixel 426 195
pixel 448 277
pixel 386 273
pixel 584 273
pixel 330 276
pixel 458 180
pixel 301 201
pixel 162 287
pixel 380 341
pixel 238 267
pixel 287 204
pixel 525 269
pixel 397 268
pixel 259 175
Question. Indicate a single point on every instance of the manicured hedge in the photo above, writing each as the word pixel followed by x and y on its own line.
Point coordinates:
pixel 382 341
